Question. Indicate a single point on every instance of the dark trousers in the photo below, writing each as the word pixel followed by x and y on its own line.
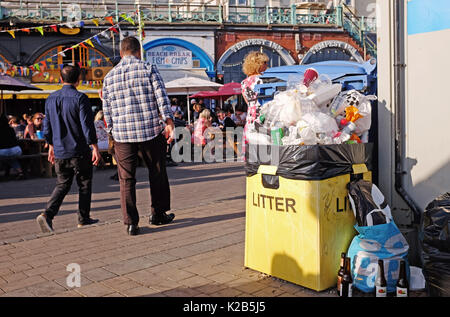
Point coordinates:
pixel 66 170
pixel 154 155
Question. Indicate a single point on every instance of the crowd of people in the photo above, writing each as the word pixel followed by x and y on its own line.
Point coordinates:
pixel 136 121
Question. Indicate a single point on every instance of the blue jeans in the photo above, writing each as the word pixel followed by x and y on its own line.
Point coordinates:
pixel 10 154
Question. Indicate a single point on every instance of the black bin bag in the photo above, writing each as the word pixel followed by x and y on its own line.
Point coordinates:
pixel 436 246
pixel 309 162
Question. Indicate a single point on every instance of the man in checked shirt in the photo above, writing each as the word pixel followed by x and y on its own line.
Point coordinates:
pixel 134 96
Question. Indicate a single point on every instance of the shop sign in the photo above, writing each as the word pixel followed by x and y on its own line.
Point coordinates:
pixel 169 56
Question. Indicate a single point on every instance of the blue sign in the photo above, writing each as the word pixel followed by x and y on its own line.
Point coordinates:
pixel 426 16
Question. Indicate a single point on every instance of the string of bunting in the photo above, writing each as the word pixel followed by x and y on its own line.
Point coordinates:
pixel 71 25
pixel 40 67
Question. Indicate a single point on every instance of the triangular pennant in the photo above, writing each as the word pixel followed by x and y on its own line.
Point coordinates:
pixel 97 39
pixel 26 30
pixel 12 34
pixel 37 67
pixel 79 64
pixel 54 27
pixel 82 45
pixel 44 64
pixel 62 54
pixel 89 42
pixel 95 21
pixel 113 29
pixel 106 34
pixel 126 18
pixel 89 62
pixel 110 20
pixel 41 30
pixel 99 61
pixel 49 60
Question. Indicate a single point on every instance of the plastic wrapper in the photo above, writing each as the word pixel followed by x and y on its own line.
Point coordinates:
pixel 436 246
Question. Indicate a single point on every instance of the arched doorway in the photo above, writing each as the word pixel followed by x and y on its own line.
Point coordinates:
pixel 230 63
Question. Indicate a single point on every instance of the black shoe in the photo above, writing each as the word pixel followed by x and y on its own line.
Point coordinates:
pixel 161 219
pixel 87 222
pixel 44 223
pixel 132 230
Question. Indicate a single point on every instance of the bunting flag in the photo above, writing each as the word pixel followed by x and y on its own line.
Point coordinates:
pixel 127 18
pixel 54 27
pixel 99 61
pixel 12 34
pixel 26 30
pixel 62 54
pixel 113 29
pixel 89 42
pixel 82 45
pixel 110 20
pixel 89 62
pixel 41 30
pixel 95 21
pixel 97 39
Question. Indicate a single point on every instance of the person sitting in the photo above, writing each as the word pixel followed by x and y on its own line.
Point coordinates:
pixel 240 117
pixel 9 148
pixel 18 128
pixel 197 110
pixel 175 107
pixel 225 121
pixel 178 119
pixel 203 122
pixel 34 126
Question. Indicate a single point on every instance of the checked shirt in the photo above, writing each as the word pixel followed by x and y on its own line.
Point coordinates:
pixel 134 96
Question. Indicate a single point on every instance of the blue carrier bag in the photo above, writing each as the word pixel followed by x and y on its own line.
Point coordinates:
pixel 379 238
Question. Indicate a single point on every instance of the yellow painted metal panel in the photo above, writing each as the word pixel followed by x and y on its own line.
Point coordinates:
pixel 298 231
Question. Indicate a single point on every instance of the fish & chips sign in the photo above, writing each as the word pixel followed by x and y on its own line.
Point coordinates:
pixel 169 56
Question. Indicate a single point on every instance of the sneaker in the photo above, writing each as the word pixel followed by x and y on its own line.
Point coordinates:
pixel 161 219
pixel 44 223
pixel 87 222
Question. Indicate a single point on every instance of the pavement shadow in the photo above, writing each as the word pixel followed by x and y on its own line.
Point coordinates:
pixel 36 209
pixel 187 222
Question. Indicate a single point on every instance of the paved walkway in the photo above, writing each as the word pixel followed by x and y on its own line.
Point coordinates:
pixel 200 254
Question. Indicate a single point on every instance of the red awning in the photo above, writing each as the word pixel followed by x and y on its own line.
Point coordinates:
pixel 225 92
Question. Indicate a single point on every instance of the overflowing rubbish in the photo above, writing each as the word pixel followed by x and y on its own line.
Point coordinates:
pixel 314 111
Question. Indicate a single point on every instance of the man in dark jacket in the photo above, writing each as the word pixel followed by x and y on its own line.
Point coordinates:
pixel 69 130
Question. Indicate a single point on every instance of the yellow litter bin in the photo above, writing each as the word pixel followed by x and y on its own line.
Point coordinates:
pixel 297 229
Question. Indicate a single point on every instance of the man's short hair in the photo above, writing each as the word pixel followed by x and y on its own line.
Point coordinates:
pixel 131 45
pixel 70 74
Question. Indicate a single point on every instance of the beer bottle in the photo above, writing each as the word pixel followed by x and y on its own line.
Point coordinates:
pixel 402 288
pixel 347 281
pixel 380 282
pixel 340 273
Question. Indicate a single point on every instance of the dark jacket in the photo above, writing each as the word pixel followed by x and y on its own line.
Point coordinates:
pixel 69 123
pixel 228 123
pixel 7 135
